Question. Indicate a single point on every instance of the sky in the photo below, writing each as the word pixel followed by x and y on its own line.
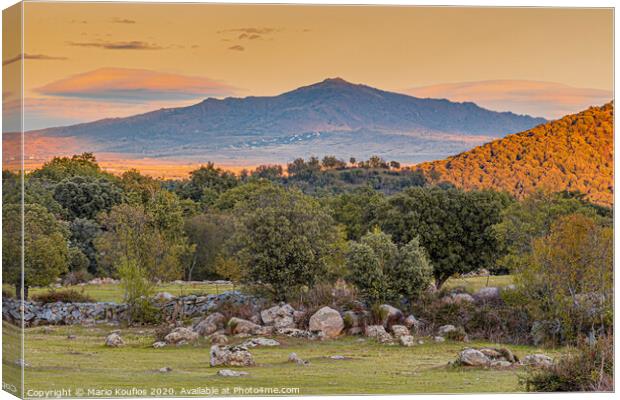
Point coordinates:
pixel 94 60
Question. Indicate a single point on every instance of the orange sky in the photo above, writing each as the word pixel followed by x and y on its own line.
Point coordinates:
pixel 88 61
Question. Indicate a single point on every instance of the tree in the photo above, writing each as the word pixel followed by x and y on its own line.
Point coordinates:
pixel 282 238
pixel 269 172
pixel 45 247
pixel 208 233
pixel 138 289
pixel 85 196
pixel 229 268
pixel 382 271
pixel 331 162
pixel 60 168
pixel 82 236
pixel 455 227
pixel 365 272
pixel 412 273
pixel 150 235
pixel 524 221
pixel 356 210
pixel 207 176
pixel 569 276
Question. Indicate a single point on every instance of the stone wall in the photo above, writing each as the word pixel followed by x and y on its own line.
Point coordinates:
pixel 36 313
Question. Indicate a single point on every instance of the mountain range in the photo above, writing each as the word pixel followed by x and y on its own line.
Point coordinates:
pixel 574 153
pixel 330 117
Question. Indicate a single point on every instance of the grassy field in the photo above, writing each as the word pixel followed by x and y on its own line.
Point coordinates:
pixel 56 362
pixel 114 292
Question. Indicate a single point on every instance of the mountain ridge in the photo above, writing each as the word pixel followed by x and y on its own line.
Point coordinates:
pixel 573 153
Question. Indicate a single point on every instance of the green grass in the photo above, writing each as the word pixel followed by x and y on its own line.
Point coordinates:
pixel 114 292
pixel 475 283
pixel 57 362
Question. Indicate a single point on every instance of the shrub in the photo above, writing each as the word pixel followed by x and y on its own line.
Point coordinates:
pixel 75 277
pixel 138 290
pixel 63 296
pixel 589 369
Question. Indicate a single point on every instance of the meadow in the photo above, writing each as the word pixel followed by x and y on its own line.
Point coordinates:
pixel 84 363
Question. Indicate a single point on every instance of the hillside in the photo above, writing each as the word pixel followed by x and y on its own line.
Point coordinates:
pixel 572 153
pixel 330 117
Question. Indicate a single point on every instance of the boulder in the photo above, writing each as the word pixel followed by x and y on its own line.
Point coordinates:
pixel 181 335
pixel 487 294
pixel 378 332
pixel 406 340
pixel 159 345
pixel 165 370
pixel 500 364
pixel 230 373
pixel 163 296
pixel 461 298
pixel 210 324
pixel 297 333
pixel 538 360
pixel 411 322
pixel 445 329
pixel 261 342
pixel 328 321
pixel 400 330
pixel 242 326
pixel 295 359
pixel 231 356
pixel 219 339
pixel 279 316
pixel 491 353
pixel 473 358
pixel 114 340
pixel 391 315
pixel 439 339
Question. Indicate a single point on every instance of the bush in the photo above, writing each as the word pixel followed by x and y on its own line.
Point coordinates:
pixel 138 290
pixel 75 277
pixel 590 369
pixel 63 296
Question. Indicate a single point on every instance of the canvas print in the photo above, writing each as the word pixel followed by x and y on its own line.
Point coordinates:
pixel 289 200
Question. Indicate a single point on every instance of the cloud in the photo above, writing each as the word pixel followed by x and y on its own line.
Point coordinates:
pixel 259 31
pixel 45 112
pixel 27 56
pixel 253 36
pixel 122 21
pixel 132 45
pixel 236 48
pixel 547 99
pixel 123 84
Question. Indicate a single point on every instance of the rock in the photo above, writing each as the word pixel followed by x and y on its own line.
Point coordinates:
pixel 500 364
pixel 238 325
pixel 295 359
pixel 473 358
pixel 297 333
pixel 445 329
pixel 400 330
pixel 420 341
pixel 163 296
pixel 71 337
pixel 337 357
pixel 328 321
pixel 219 339
pixel 392 315
pixel 461 298
pixel 232 356
pixel 298 316
pixel 231 373
pixel 114 340
pixel 180 335
pixel 378 332
pixel 411 322
pixel 538 360
pixel 491 353
pixel 487 294
pixel 279 316
pixel 212 323
pixel 439 339
pixel 165 369
pixel 406 340
pixel 21 363
pixel 261 342
pixel 159 345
